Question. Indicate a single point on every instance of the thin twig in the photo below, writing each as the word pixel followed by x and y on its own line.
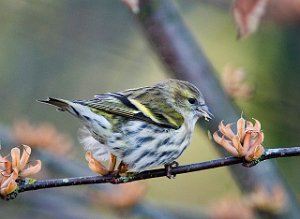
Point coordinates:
pixel 226 161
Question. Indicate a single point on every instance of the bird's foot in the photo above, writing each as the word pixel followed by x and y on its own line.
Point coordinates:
pixel 122 169
pixel 169 168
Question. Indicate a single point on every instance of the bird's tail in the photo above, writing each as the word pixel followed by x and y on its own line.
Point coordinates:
pixel 61 104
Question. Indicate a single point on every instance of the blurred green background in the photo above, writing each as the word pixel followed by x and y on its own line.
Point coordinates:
pixel 75 49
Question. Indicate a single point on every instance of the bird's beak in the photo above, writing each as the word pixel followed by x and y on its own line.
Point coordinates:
pixel 203 111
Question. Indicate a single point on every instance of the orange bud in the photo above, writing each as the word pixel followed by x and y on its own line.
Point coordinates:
pixel 25 156
pixel 95 165
pixel 31 169
pixel 240 124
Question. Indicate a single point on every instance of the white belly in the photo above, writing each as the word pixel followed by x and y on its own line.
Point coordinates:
pixel 142 145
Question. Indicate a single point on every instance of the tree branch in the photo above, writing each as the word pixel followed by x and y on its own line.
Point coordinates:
pixel 184 59
pixel 130 177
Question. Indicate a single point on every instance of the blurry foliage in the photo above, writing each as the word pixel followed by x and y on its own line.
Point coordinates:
pixel 75 49
pixel 43 136
pixel 264 200
pixel 235 83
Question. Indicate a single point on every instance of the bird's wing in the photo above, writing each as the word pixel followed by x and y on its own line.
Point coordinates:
pixel 139 108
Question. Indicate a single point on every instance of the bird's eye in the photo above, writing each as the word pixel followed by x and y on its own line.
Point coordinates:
pixel 192 100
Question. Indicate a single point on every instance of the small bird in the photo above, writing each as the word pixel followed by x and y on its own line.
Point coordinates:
pixel 143 127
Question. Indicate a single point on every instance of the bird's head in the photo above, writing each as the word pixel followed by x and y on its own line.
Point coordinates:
pixel 186 99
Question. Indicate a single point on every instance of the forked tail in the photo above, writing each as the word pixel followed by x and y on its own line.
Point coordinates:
pixel 63 105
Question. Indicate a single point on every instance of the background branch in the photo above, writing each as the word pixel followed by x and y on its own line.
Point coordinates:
pixel 227 161
pixel 182 56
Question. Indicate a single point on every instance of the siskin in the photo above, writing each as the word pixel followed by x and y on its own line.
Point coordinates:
pixel 143 127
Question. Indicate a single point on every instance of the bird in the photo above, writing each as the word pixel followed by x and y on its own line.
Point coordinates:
pixel 143 127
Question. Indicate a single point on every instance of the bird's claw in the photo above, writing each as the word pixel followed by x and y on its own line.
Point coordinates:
pixel 169 168
pixel 121 171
